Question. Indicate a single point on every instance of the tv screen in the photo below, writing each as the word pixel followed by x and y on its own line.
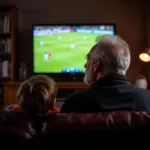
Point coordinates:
pixel 62 48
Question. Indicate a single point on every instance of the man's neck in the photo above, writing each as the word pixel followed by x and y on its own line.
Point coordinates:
pixel 100 75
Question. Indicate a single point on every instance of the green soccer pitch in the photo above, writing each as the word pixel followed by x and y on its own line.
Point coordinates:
pixel 68 51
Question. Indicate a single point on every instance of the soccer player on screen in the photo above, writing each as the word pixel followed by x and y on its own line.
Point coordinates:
pixel 49 54
pixel 41 43
pixel 77 45
pixel 46 57
pixel 59 37
pixel 72 46
pixel 84 37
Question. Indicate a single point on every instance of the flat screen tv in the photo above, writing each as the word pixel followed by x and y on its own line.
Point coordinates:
pixel 59 50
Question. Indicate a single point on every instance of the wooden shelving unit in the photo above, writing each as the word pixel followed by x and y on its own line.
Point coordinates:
pixel 8 35
pixel 8 47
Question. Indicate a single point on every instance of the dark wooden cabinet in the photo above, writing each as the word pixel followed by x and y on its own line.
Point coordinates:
pixel 64 88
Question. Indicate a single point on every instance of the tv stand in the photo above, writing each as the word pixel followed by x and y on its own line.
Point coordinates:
pixel 75 78
pixel 64 89
pixel 67 77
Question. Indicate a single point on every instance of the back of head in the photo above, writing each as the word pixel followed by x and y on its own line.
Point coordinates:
pixel 113 53
pixel 37 95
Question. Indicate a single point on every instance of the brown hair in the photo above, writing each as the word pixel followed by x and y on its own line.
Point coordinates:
pixel 37 95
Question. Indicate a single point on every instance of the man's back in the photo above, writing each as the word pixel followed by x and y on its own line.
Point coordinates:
pixel 110 93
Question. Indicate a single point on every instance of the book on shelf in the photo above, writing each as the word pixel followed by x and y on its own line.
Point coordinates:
pixel 4 23
pixel 1 93
pixel 5 45
pixel 4 68
pixel 5 41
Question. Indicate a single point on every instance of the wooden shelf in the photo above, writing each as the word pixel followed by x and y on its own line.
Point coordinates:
pixel 11 89
pixel 5 78
pixel 60 85
pixel 72 85
pixel 5 53
pixel 4 33
pixel 7 7
pixel 59 99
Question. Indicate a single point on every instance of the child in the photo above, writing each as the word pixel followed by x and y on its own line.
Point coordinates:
pixel 37 96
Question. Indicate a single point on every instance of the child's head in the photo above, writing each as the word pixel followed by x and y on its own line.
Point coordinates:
pixel 37 95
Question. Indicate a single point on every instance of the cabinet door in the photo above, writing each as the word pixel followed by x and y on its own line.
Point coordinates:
pixel 10 95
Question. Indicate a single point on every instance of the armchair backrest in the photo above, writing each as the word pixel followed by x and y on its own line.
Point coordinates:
pixel 97 121
pixel 75 128
pixel 104 127
pixel 16 127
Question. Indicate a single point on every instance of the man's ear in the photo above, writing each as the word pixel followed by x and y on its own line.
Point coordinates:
pixel 96 65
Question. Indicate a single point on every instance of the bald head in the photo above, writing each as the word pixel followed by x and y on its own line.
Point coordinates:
pixel 114 54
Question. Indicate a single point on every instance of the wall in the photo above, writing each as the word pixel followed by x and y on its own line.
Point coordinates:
pixel 127 15
pixel 146 30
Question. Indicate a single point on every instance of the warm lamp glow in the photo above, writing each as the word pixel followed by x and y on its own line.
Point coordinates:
pixel 144 57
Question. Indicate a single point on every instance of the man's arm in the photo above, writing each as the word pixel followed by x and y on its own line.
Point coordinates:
pixel 75 102
pixel 67 106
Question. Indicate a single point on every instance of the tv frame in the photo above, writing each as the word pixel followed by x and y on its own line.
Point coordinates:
pixel 64 77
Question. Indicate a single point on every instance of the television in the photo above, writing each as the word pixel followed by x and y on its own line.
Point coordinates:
pixel 59 50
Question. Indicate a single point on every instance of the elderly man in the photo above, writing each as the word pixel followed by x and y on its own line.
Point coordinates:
pixel 106 66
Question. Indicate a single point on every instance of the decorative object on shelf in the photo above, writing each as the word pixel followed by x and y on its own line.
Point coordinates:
pixel 23 71
pixel 141 81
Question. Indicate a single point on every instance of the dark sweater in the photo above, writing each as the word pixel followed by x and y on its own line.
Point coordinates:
pixel 110 93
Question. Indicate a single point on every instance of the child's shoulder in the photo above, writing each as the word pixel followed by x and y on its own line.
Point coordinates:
pixel 54 110
pixel 16 108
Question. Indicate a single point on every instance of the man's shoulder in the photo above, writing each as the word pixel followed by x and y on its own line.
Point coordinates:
pixel 140 99
pixel 140 91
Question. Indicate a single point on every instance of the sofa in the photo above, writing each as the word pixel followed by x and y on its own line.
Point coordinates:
pixel 105 128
